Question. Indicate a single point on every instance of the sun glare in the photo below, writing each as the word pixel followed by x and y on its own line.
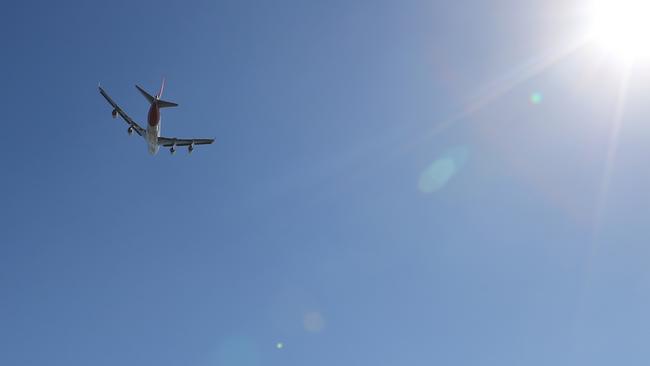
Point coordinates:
pixel 623 27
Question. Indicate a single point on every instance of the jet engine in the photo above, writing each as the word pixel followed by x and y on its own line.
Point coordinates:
pixel 190 148
pixel 130 131
pixel 172 150
pixel 114 113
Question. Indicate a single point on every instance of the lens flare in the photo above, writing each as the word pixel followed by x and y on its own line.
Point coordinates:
pixel 437 175
pixel 313 321
pixel 536 98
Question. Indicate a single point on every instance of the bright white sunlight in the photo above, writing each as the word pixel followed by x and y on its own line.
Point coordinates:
pixel 623 27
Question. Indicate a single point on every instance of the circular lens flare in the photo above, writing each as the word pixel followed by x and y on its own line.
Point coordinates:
pixel 313 321
pixel 536 98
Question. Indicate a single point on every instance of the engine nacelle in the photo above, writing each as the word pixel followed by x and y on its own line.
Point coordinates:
pixel 130 131
pixel 172 150
pixel 190 148
pixel 114 113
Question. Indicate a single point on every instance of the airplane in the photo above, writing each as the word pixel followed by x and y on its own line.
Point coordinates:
pixel 151 134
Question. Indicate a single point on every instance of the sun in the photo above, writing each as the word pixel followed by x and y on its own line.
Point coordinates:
pixel 622 27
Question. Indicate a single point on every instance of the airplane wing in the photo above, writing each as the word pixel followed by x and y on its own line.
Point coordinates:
pixel 171 142
pixel 116 109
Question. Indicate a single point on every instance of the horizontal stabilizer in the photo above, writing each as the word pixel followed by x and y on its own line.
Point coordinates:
pixel 150 98
pixel 166 104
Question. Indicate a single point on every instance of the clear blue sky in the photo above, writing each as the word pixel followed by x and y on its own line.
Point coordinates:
pixel 392 183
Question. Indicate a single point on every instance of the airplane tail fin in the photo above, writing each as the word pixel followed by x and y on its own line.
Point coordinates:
pixel 161 103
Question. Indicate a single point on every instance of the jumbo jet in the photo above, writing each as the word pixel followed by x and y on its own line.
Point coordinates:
pixel 151 135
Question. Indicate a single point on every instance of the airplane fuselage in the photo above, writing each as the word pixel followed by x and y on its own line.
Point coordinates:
pixel 151 133
pixel 153 128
